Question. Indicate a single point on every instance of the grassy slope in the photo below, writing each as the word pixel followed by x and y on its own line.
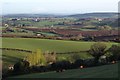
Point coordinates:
pixel 105 71
pixel 47 45
pixel 11 57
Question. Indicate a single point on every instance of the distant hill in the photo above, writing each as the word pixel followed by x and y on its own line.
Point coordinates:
pixel 30 15
pixel 86 15
pixel 97 15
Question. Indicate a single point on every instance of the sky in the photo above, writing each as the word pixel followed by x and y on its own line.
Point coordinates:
pixel 58 6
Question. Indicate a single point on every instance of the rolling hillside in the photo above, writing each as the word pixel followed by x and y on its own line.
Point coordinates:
pixel 86 15
pixel 93 15
pixel 48 45
pixel 10 57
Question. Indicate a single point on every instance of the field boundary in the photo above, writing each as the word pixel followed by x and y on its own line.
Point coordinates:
pixel 22 50
pixel 16 50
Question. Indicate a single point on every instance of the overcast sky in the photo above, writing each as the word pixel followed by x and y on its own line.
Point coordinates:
pixel 58 6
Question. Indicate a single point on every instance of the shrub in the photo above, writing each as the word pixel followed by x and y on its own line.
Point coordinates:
pixel 97 50
pixel 21 66
pixel 36 58
pixel 78 63
pixel 115 53
pixel 39 69
pixel 103 60
pixel 50 57
pixel 74 57
pixel 61 65
pixel 89 62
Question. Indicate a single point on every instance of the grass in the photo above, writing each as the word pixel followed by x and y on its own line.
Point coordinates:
pixel 59 46
pixel 10 57
pixel 19 34
pixel 81 55
pixel 105 71
pixel 48 33
pixel 44 23
pixel 48 45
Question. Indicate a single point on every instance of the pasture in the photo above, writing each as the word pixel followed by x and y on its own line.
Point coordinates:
pixel 58 46
pixel 10 57
pixel 62 47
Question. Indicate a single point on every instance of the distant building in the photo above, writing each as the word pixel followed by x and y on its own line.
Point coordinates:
pixel 6 25
pixel 36 19
pixel 38 34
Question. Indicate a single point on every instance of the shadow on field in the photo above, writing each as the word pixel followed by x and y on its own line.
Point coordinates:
pixel 10 59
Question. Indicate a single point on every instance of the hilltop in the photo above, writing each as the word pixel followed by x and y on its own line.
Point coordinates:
pixel 85 15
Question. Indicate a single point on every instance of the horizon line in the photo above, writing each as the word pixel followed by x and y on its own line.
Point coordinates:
pixel 57 13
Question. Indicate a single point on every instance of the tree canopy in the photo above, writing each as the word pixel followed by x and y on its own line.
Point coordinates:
pixel 98 49
pixel 36 58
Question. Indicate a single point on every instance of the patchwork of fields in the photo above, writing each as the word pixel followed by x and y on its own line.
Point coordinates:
pixel 61 46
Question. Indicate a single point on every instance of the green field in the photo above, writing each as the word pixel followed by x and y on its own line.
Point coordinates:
pixel 60 46
pixel 48 45
pixel 105 71
pixel 11 57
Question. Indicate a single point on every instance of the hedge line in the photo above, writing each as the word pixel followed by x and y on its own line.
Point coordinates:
pixel 32 51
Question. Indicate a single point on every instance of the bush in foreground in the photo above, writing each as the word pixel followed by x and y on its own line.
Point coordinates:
pixel 97 50
pixel 22 66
